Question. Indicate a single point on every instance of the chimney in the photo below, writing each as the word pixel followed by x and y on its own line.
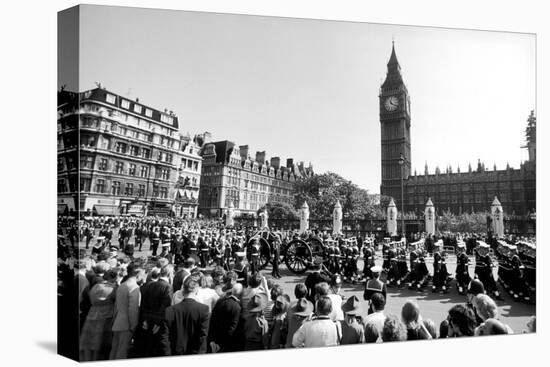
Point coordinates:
pixel 260 157
pixel 243 149
pixel 289 163
pixel 275 162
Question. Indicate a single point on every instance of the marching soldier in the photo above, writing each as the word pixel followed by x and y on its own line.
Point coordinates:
pixel 155 240
pixel 484 269
pixel 402 265
pixel 440 271
pixel 276 246
pixel 368 259
pixel 519 289
pixel 204 249
pixel 504 266
pixel 462 274
pixel 392 270
pixel 254 249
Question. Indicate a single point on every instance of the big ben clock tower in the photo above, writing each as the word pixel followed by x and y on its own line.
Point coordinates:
pixel 395 124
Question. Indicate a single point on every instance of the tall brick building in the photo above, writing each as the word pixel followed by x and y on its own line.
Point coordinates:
pixel 231 176
pixel 457 192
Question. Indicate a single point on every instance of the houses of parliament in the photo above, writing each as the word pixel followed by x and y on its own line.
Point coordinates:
pixel 457 192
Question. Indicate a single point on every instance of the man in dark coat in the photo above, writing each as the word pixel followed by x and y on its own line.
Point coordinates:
pixel 186 323
pixel 156 296
pixel 224 321
pixel 314 278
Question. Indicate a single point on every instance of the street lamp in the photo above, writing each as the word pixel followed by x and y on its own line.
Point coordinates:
pixel 401 163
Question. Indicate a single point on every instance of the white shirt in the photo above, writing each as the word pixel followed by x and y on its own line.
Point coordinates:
pixel 321 332
pixel 207 296
pixel 337 314
pixel 376 318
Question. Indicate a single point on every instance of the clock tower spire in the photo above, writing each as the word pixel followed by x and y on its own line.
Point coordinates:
pixel 395 122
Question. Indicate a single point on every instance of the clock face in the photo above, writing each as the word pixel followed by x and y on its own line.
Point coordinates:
pixel 391 103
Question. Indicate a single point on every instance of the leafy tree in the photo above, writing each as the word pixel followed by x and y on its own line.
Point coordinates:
pixel 280 211
pixel 322 191
pixel 465 222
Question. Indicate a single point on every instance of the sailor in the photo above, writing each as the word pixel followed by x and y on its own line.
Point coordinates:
pixel 519 288
pixel 484 269
pixel 402 264
pixel 155 240
pixel 254 249
pixel 440 270
pixel 276 253
pixel 392 269
pixel 462 273
pixel 374 285
pixel 368 260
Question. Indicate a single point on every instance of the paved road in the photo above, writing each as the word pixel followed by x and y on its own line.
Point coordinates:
pixel 433 306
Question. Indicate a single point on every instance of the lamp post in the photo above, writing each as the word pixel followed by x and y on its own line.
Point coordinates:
pixel 401 163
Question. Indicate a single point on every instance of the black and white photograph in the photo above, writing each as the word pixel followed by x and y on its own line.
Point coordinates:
pixel 234 183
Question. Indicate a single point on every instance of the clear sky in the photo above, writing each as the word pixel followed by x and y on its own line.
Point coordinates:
pixel 308 89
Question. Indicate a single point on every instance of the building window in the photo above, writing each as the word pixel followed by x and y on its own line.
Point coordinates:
pixel 129 189
pixel 145 153
pixel 100 185
pixel 119 167
pixel 120 147
pixel 148 112
pixel 137 108
pixel 125 104
pixel 134 150
pixel 143 171
pixel 132 170
pixel 141 190
pixel 85 184
pixel 115 189
pixel 60 164
pixel 166 119
pixel 155 191
pixel 169 157
pixel 195 166
pixel 111 98
pixel 61 186
pixel 86 161
pixel 103 164
pixel 189 164
pixel 163 192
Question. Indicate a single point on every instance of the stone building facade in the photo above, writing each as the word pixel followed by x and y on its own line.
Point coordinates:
pixel 118 156
pixel 231 177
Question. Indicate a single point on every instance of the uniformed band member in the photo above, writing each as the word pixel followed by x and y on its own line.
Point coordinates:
pixel 462 274
pixel 155 240
pixel 419 276
pixel 440 271
pixel 374 285
pixel 484 269
pixel 402 265
pixel 368 259
pixel 254 250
